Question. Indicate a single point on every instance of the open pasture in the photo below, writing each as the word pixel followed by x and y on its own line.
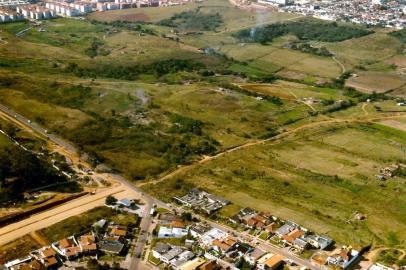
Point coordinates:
pixel 319 179
pixel 378 82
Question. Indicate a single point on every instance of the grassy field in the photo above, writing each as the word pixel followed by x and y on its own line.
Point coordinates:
pixel 181 104
pixel 17 249
pixel 319 178
pixel 82 223
pixel 4 141
pixel 379 82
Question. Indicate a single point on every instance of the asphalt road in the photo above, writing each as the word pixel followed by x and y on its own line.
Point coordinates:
pixel 136 263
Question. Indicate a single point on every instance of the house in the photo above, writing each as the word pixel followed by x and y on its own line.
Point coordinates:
pixel 210 265
pixel 68 248
pixel 257 221
pixel 166 253
pixel 261 261
pixel 18 263
pixel 201 200
pixel 253 256
pixel 300 243
pixel 292 236
pixel 246 211
pixel 208 238
pixel 119 232
pixel 159 249
pixel 242 248
pixel 285 229
pixel 274 262
pixel 167 218
pixel 344 258
pixel 183 258
pixel 270 228
pixel 199 229
pixel 47 256
pixel 320 242
pixel 193 264
pixel 166 232
pixel 100 224
pixel 111 244
pixel 174 252
pixel 234 219
pixel 223 246
pixel 125 202
pixel 32 265
pixel 88 244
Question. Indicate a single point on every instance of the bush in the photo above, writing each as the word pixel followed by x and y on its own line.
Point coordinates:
pixel 304 30
pixel 193 20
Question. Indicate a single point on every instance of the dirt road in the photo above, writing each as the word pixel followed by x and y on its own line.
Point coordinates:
pixel 275 140
pixel 50 217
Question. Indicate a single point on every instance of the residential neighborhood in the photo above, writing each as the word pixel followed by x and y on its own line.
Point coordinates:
pixel 104 237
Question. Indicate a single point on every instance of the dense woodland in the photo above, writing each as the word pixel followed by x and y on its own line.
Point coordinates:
pixel 304 30
pixel 193 21
pixel 21 171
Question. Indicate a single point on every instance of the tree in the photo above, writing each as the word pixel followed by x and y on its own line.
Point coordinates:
pixel 111 200
pixel 186 216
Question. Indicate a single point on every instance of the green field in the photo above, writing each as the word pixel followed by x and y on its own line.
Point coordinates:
pixel 319 178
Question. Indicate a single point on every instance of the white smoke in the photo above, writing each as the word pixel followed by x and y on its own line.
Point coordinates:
pixel 261 17
pixel 140 94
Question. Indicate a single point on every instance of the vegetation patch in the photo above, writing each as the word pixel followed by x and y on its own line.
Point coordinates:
pixel 193 21
pixel 304 30
pixel 21 171
pixel 81 224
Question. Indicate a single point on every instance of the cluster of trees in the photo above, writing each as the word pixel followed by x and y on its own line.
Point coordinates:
pixel 307 48
pixel 183 124
pixel 338 106
pixel 178 144
pixel 158 69
pixel 304 30
pixel 68 96
pixel 193 20
pixel 21 171
pixel 93 264
pixel 401 35
pixel 92 50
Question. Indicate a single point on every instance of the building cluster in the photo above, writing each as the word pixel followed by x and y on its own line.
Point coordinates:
pixel 207 247
pixel 104 238
pixel 202 201
pixel 370 12
pixel 207 244
pixel 16 10
pixel 9 15
pixel 287 233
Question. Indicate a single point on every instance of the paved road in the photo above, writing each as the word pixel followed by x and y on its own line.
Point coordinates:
pixel 136 263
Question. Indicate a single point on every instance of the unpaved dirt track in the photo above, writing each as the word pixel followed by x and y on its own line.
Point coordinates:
pixel 275 139
pixel 54 215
